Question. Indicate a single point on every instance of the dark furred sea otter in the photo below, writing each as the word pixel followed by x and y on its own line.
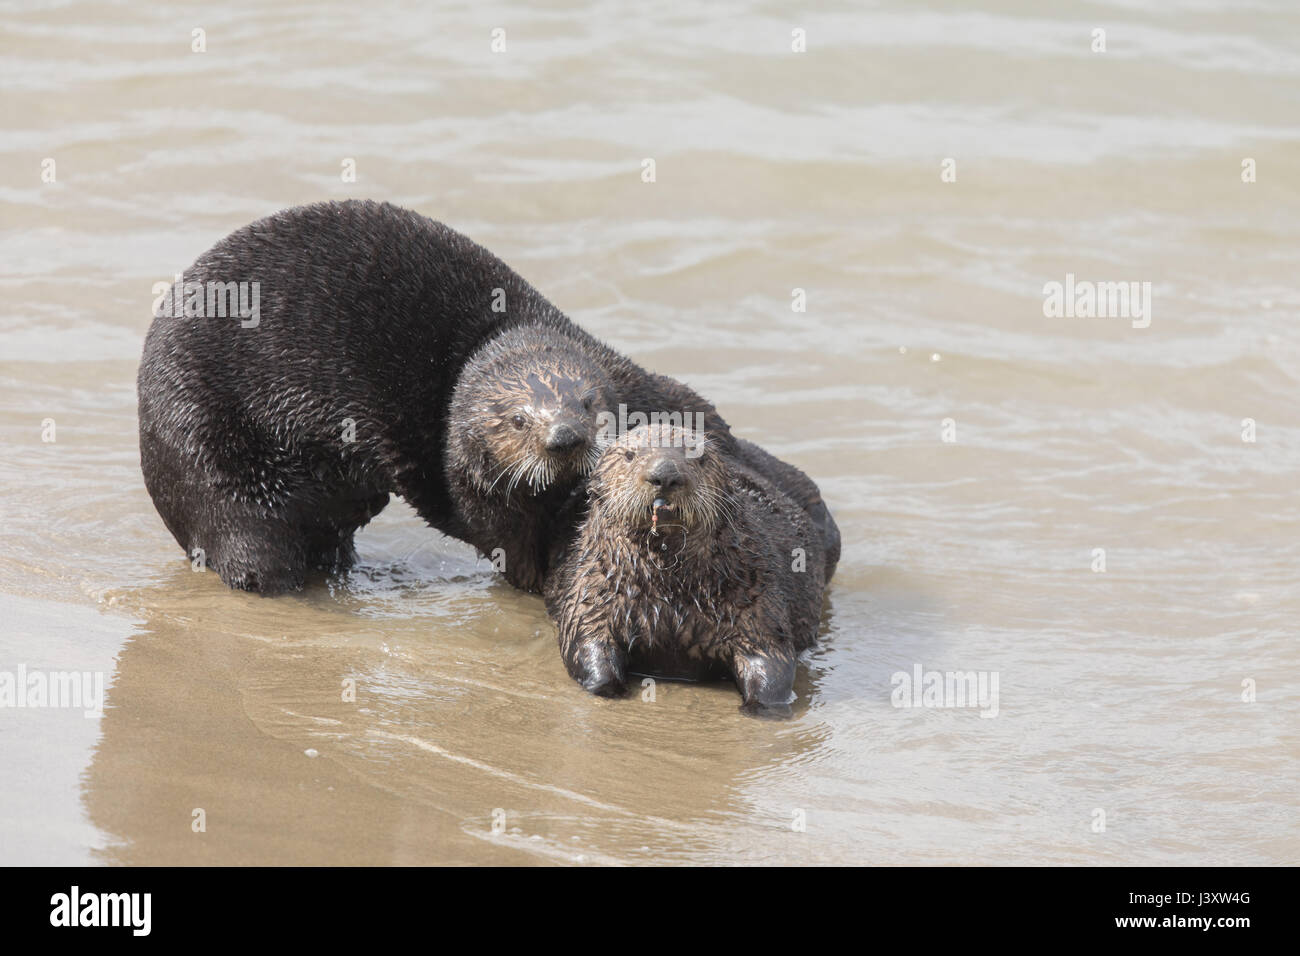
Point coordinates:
pixel 691 563
pixel 377 365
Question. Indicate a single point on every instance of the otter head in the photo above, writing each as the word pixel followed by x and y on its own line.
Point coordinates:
pixel 524 412
pixel 660 477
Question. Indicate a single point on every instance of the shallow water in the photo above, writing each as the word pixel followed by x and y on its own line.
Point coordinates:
pixel 1119 691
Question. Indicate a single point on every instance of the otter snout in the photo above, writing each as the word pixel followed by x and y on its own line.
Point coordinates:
pixel 563 437
pixel 664 476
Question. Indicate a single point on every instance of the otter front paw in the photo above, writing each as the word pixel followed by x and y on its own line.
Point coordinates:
pixel 266 581
pixel 601 668
pixel 766 683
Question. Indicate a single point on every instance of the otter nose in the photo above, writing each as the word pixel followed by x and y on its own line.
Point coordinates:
pixel 664 475
pixel 563 437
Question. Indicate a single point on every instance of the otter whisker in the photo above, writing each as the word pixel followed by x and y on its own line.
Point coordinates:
pixel 716 504
pixel 539 474
pixel 515 475
pixel 513 469
pixel 518 473
pixel 592 457
pixel 506 468
pixel 529 474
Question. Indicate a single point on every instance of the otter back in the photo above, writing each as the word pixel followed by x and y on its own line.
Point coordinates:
pixel 268 436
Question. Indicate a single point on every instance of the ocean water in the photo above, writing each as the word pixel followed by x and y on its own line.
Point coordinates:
pixel 1096 515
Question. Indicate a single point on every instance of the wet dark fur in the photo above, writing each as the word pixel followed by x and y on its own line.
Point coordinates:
pixel 372 313
pixel 709 598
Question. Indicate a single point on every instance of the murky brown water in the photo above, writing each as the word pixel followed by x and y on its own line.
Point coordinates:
pixel 1118 691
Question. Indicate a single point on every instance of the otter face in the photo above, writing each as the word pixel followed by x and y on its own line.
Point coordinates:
pixel 660 476
pixel 527 414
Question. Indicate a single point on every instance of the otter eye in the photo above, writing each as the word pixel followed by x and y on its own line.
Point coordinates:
pixel 629 455
pixel 518 421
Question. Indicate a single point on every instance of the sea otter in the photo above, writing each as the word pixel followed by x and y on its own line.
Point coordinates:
pixel 384 354
pixel 689 564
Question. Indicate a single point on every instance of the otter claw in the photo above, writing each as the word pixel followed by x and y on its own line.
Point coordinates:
pixel 766 684
pixel 602 670
pixel 604 686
